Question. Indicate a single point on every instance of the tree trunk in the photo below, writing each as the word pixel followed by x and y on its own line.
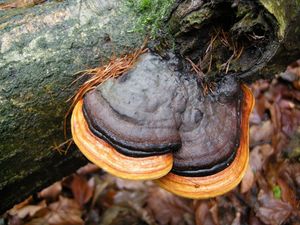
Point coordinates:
pixel 43 47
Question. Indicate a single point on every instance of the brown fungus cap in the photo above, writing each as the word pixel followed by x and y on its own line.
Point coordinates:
pixel 209 130
pixel 134 112
pixel 222 181
pixel 136 125
pixel 106 157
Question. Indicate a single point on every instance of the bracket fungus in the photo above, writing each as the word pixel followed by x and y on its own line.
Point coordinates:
pixel 156 121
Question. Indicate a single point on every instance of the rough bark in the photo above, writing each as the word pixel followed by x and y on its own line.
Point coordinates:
pixel 43 47
pixel 287 15
pixel 262 36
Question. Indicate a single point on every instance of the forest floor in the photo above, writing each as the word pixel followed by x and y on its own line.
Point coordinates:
pixel 268 194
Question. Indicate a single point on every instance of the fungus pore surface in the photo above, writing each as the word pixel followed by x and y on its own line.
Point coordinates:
pixel 156 108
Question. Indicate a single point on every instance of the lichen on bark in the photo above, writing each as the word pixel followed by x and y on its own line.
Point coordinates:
pixel 41 50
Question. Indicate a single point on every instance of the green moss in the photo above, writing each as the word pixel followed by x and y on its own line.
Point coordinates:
pixel 36 70
pixel 150 14
pixel 283 11
pixel 195 19
pixel 277 192
pixel 144 4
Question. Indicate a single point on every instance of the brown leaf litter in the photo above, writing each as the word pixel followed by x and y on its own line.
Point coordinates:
pixel 269 194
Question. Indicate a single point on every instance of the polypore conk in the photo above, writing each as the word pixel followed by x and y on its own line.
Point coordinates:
pixel 134 112
pixel 157 114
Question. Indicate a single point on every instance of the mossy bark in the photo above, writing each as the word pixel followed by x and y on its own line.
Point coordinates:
pixel 42 48
pixel 250 39
pixel 287 14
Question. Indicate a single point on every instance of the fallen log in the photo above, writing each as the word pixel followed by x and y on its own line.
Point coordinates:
pixel 43 47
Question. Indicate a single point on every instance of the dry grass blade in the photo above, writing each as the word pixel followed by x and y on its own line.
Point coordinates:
pixel 196 68
pixel 62 148
pixel 115 68
pixel 212 40
pixel 207 86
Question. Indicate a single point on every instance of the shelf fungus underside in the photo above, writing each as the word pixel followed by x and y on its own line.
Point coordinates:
pixel 156 120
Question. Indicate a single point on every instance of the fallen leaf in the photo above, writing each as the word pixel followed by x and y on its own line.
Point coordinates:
pixel 286 104
pixel 253 220
pixel 261 134
pixel 279 142
pixel 290 121
pixel 259 87
pixel 259 156
pixel 288 92
pixel 135 199
pixel 117 215
pixel 247 180
pixel 287 193
pixel 237 219
pixel 64 212
pixel 272 211
pixel 275 117
pixel 202 214
pixel 288 75
pixel 259 111
pixel 132 185
pixel 228 208
pixel 214 212
pixel 296 84
pixel 290 173
pixel 93 216
pixel 28 210
pixel 81 190
pixel 293 148
pixel 14 220
pixel 100 186
pixel 88 169
pixel 51 192
pixel 292 73
pixel 168 208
